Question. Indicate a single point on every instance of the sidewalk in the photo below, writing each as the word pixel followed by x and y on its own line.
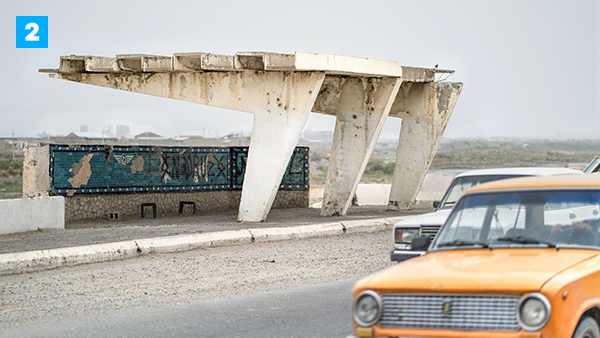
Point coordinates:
pixel 103 240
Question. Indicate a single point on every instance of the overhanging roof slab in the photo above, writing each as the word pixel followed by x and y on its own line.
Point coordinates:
pixel 245 61
pixel 198 62
pixel 347 65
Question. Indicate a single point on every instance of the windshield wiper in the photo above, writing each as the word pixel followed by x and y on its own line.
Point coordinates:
pixel 462 242
pixel 525 240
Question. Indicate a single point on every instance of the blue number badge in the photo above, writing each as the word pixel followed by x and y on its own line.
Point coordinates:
pixel 32 32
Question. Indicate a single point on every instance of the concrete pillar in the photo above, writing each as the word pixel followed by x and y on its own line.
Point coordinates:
pixel 36 176
pixel 361 106
pixel 425 109
pixel 275 133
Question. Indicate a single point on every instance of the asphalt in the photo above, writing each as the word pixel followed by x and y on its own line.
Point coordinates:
pixel 101 240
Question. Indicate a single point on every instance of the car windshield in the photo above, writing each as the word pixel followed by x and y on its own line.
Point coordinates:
pixel 462 184
pixel 538 218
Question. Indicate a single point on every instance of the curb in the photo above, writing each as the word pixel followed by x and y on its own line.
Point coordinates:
pixel 31 261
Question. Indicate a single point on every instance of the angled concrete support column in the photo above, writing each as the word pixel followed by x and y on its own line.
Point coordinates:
pixel 275 133
pixel 425 109
pixel 361 106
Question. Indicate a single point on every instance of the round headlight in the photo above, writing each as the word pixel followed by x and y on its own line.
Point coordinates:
pixel 533 311
pixel 367 308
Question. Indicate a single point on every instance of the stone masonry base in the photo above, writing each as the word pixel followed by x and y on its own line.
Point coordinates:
pixel 128 206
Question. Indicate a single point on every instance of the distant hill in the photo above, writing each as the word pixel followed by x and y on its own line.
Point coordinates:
pixel 466 154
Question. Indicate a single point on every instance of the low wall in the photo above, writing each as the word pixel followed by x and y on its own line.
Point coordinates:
pixel 433 189
pixel 128 206
pixel 102 181
pixel 29 214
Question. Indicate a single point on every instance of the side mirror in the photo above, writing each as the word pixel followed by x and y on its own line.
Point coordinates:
pixel 436 204
pixel 420 243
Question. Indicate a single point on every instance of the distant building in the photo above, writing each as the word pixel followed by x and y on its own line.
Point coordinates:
pixel 146 138
pixel 149 134
pixel 5 145
pixel 82 138
pixel 122 130
pixel 231 140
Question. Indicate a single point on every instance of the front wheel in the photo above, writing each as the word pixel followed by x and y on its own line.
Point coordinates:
pixel 588 328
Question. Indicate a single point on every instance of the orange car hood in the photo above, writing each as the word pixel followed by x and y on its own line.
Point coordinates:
pixel 477 271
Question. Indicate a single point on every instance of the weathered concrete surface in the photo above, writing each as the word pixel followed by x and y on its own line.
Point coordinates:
pixel 425 109
pixel 362 106
pixel 299 232
pixel 36 181
pixel 29 214
pixel 192 242
pixel 275 133
pixel 29 261
pixel 280 89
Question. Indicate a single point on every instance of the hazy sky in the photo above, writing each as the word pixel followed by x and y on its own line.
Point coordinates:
pixel 529 68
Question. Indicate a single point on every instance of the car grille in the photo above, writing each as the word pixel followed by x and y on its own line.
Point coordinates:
pixel 453 312
pixel 430 230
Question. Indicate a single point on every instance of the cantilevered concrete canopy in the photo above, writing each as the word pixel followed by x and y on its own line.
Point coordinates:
pixel 281 90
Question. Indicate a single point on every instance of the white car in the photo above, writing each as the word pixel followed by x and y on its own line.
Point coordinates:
pixel 429 224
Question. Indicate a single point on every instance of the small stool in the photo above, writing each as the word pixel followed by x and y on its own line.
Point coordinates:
pixel 182 203
pixel 153 205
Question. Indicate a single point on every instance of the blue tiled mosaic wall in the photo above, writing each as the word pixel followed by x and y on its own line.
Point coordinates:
pixel 295 177
pixel 98 169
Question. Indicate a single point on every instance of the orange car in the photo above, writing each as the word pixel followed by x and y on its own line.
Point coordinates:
pixel 516 258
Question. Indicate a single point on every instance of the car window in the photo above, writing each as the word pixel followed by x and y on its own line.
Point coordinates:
pixel 462 184
pixel 533 217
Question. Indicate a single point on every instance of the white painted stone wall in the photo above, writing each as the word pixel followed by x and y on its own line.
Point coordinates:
pixel 433 189
pixel 29 214
pixel 434 186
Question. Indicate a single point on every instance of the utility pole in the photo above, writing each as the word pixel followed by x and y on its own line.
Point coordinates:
pixel 13 144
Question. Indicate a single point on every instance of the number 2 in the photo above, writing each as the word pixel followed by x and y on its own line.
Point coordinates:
pixel 34 29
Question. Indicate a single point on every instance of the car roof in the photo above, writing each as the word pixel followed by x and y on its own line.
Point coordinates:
pixel 543 182
pixel 530 171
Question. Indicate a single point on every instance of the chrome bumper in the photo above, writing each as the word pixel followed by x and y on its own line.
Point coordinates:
pixel 402 255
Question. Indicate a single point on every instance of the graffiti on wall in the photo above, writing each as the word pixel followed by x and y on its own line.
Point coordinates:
pixel 99 169
pixel 295 177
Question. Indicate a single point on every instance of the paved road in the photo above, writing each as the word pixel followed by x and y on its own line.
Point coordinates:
pixel 309 311
pixel 265 287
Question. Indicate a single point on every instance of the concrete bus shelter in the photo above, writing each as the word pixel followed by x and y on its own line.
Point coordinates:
pixel 281 90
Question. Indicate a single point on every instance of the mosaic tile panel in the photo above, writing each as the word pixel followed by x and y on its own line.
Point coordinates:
pixel 295 177
pixel 99 169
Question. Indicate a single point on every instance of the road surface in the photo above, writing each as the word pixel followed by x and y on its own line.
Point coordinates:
pixel 278 289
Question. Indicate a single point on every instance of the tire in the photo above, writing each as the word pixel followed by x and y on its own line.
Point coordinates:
pixel 587 328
